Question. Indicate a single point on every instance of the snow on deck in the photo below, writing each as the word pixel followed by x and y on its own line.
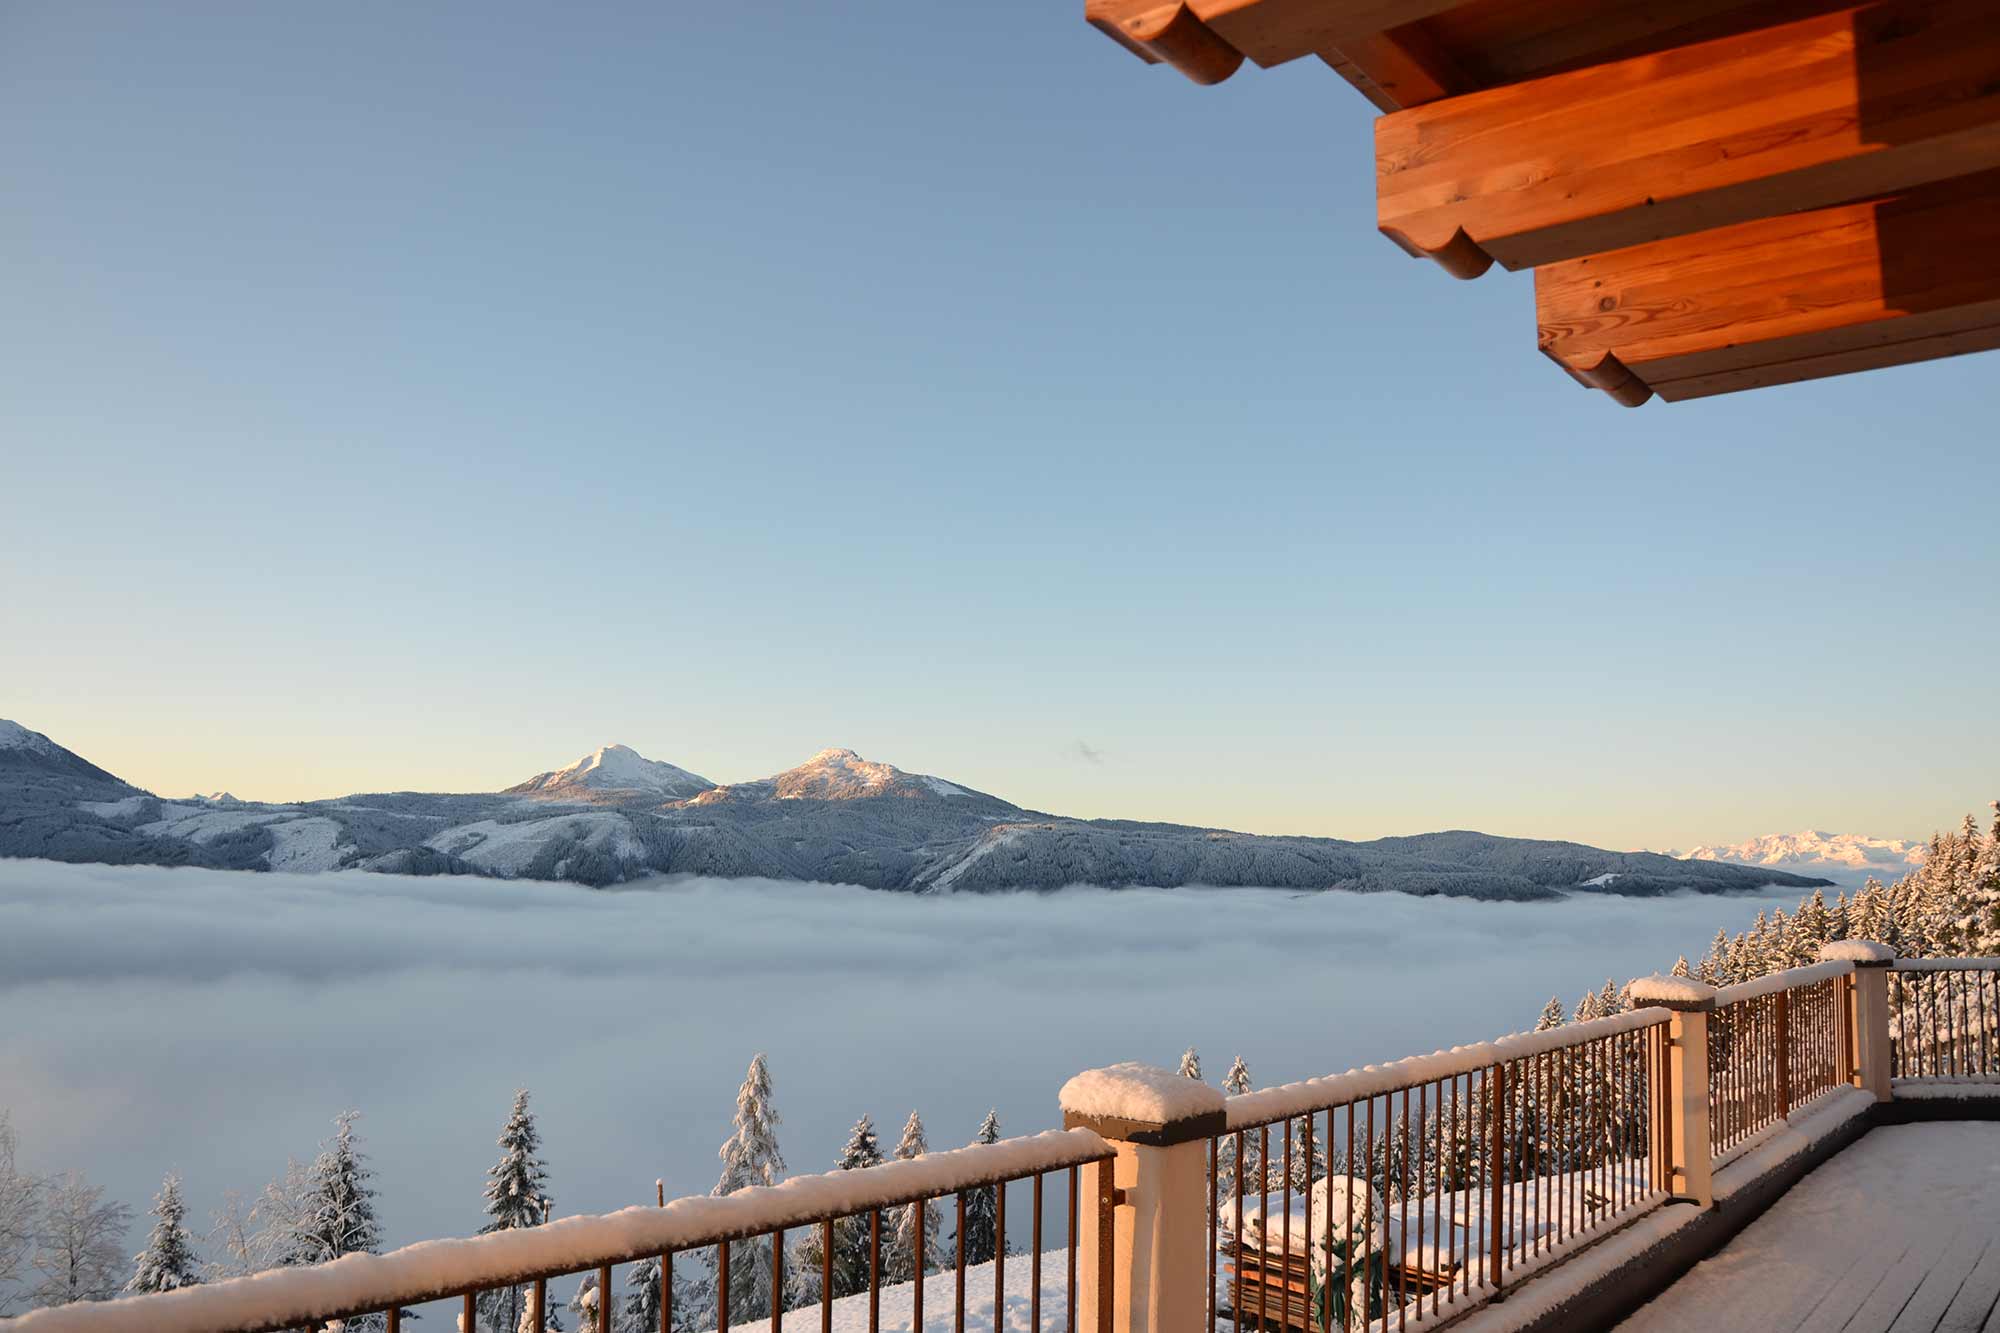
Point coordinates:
pixel 1899 1232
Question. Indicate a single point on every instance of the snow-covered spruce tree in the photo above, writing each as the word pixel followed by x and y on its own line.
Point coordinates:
pixel 749 1156
pixel 639 1312
pixel 1191 1065
pixel 1235 1083
pixel 319 1212
pixel 1974 927
pixel 20 1217
pixel 1811 927
pixel 1682 968
pixel 1552 1016
pixel 583 1305
pixel 168 1261
pixel 981 1205
pixel 551 1324
pixel 517 1196
pixel 915 1221
pixel 851 1235
pixel 80 1251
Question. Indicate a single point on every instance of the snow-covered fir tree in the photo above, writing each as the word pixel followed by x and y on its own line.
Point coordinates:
pixel 1973 927
pixel 851 1235
pixel 981 1205
pixel 1235 1083
pixel 640 1310
pixel 1682 968
pixel 80 1248
pixel 1552 1015
pixel 551 1323
pixel 324 1210
pixel 583 1305
pixel 168 1262
pixel 899 1262
pixel 1191 1065
pixel 517 1196
pixel 750 1156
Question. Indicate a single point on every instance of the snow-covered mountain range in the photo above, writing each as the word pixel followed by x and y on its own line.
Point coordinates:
pixel 615 815
pixel 1847 858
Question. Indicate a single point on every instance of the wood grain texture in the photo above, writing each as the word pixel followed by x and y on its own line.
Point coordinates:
pixel 1886 282
pixel 1865 100
pixel 1168 34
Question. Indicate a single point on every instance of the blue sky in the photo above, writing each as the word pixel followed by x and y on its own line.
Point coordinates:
pixel 423 397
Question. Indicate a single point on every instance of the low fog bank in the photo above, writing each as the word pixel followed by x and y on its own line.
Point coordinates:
pixel 213 1022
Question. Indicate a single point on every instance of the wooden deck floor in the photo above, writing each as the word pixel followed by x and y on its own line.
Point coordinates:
pixel 1899 1234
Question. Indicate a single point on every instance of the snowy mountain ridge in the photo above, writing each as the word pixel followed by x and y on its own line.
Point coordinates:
pixel 615 816
pixel 1849 857
pixel 14 736
pixel 837 775
pixel 614 768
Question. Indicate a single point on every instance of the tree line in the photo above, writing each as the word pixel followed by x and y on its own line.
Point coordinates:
pixel 62 1241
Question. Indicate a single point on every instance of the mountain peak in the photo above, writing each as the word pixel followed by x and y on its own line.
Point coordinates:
pixel 14 736
pixel 615 768
pixel 23 749
pixel 839 774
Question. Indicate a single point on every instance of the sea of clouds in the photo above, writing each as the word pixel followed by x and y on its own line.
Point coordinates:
pixel 214 1022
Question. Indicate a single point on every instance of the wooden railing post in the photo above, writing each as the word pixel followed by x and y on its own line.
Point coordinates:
pixel 1868 1015
pixel 1152 1200
pixel 1682 1101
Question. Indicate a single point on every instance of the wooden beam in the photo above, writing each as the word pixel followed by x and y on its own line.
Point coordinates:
pixel 1208 39
pixel 1402 68
pixel 1887 282
pixel 1167 34
pixel 1271 32
pixel 1867 100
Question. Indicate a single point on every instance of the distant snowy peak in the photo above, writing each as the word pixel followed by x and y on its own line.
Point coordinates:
pixel 840 775
pixel 616 768
pixel 14 736
pixel 32 752
pixel 1848 856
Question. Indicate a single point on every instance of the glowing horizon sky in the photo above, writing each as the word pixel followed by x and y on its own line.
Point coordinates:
pixel 425 398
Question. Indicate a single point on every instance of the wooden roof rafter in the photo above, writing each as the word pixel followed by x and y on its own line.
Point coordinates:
pixel 1549 133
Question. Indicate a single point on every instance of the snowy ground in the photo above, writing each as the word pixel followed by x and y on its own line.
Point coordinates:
pixel 850 1313
pixel 214 1022
pixel 1900 1231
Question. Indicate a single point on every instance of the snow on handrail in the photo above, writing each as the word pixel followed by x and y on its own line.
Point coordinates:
pixel 289 1298
pixel 1790 979
pixel 1267 1106
pixel 1946 965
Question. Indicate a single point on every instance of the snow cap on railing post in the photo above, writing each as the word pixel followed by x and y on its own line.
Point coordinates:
pixel 1153 1203
pixel 1147 1104
pixel 1681 994
pixel 1861 953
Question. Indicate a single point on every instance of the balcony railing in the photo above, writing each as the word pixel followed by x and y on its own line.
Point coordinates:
pixel 1419 1185
pixel 368 1290
pixel 1944 1018
pixel 1385 1198
pixel 1775 1044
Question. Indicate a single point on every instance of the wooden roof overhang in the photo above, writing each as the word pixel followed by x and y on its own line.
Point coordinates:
pixel 1714 195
